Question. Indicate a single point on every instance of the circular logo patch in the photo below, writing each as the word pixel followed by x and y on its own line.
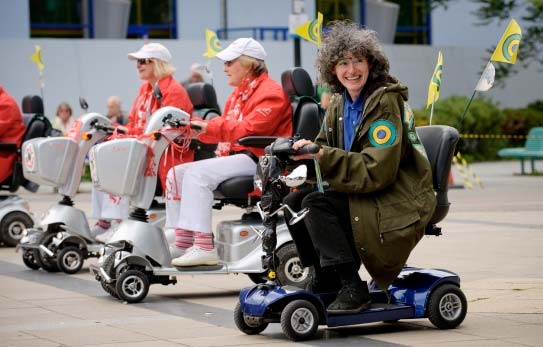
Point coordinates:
pixel 382 133
pixel 29 158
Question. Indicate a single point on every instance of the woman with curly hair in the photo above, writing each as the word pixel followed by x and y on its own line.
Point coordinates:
pixel 380 194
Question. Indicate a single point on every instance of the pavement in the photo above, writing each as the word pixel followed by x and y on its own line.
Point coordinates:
pixel 492 237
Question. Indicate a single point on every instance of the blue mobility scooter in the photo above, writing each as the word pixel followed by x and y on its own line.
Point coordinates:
pixel 416 293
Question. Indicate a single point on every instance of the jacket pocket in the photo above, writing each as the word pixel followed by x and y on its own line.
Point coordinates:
pixel 397 216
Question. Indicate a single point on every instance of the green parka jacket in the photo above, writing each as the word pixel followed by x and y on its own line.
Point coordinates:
pixel 389 181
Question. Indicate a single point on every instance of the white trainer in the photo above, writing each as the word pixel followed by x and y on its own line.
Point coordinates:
pixel 177 252
pixel 197 256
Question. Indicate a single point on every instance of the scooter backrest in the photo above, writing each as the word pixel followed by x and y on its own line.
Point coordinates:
pixel 440 142
pixel 204 99
pixel 306 117
pixel 38 126
pixel 32 104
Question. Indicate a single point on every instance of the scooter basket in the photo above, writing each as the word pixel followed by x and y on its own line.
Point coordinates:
pixel 48 160
pixel 117 166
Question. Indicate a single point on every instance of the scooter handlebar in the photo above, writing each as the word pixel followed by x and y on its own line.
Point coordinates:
pixel 108 129
pixel 179 124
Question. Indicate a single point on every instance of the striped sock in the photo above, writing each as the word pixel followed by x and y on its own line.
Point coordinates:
pixel 183 239
pixel 103 223
pixel 204 241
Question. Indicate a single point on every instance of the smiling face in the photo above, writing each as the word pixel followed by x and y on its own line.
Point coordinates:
pixel 352 72
pixel 235 72
pixel 146 70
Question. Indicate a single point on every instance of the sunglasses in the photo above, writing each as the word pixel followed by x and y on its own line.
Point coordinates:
pixel 230 63
pixel 144 61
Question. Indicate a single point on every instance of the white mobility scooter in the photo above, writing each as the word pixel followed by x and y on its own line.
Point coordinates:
pixel 15 215
pixel 138 253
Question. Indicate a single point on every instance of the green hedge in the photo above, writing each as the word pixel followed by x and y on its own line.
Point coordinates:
pixel 483 117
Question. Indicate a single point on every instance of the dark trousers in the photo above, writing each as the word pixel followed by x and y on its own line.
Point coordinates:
pixel 324 237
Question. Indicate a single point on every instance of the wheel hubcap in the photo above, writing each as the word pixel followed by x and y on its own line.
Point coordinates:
pixel 132 286
pixel 450 306
pixel 302 320
pixel 294 270
pixel 71 260
pixel 15 230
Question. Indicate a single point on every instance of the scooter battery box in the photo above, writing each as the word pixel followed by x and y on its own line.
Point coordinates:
pixel 117 166
pixel 48 160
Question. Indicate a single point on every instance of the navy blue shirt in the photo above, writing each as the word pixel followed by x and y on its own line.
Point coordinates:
pixel 352 115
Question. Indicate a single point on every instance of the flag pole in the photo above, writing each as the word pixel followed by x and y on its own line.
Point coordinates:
pixel 432 109
pixel 466 109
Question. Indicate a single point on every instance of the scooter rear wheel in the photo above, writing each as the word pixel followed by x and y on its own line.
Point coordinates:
pixel 12 226
pixel 70 259
pixel 447 306
pixel 299 320
pixel 243 326
pixel 49 264
pixel 290 270
pixel 132 286
pixel 29 259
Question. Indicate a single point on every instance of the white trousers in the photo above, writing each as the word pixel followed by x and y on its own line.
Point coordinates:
pixel 190 186
pixel 107 206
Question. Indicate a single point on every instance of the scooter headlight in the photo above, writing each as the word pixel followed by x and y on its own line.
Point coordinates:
pixel 59 235
pixel 258 182
pixel 25 232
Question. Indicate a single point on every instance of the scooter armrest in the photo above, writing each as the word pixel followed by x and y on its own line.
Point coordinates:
pixel 8 147
pixel 257 141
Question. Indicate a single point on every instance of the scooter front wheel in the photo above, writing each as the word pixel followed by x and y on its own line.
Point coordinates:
pixel 29 259
pixel 299 320
pixel 48 263
pixel 447 306
pixel 248 328
pixel 132 286
pixel 70 259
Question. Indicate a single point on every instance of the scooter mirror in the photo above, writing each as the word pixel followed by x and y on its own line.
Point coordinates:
pixel 296 177
pixel 296 217
pixel 83 103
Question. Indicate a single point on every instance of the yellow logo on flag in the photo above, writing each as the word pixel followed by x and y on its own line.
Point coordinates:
pixel 435 81
pixel 311 30
pixel 212 43
pixel 36 57
pixel 507 49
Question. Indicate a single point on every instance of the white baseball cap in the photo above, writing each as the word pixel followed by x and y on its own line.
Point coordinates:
pixel 151 50
pixel 242 46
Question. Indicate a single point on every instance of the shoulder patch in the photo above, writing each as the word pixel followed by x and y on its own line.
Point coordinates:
pixel 382 133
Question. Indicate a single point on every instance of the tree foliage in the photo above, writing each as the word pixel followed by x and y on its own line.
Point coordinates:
pixel 500 11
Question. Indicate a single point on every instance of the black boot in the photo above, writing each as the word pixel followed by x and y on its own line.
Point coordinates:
pixel 353 296
pixel 324 280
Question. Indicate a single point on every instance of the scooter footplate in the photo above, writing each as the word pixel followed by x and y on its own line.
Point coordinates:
pixel 376 313
pixel 199 268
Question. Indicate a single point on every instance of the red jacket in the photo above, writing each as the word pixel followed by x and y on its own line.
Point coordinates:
pixel 173 94
pixel 12 130
pixel 266 112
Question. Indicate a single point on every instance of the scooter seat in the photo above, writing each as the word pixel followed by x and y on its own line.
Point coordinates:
pixel 236 188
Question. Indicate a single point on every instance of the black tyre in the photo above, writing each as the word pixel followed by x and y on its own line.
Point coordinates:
pixel 258 278
pixel 48 263
pixel 290 270
pixel 29 258
pixel 70 259
pixel 132 286
pixel 110 289
pixel 242 324
pixel 447 306
pixel 299 320
pixel 12 227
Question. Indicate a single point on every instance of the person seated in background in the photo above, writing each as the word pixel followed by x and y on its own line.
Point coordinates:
pixel 114 110
pixel 380 194
pixel 63 119
pixel 153 67
pixel 12 130
pixel 256 106
pixel 197 73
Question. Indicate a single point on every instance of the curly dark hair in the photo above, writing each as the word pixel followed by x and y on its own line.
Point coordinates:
pixel 346 36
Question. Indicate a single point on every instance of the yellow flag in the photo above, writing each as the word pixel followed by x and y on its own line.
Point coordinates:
pixel 212 43
pixel 36 57
pixel 312 30
pixel 507 48
pixel 435 81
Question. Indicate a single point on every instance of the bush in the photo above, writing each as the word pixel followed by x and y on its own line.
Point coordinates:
pixel 519 121
pixel 483 118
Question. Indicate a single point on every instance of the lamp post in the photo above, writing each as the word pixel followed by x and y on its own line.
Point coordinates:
pixel 297 18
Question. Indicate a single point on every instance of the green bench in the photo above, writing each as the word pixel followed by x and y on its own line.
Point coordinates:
pixel 533 149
